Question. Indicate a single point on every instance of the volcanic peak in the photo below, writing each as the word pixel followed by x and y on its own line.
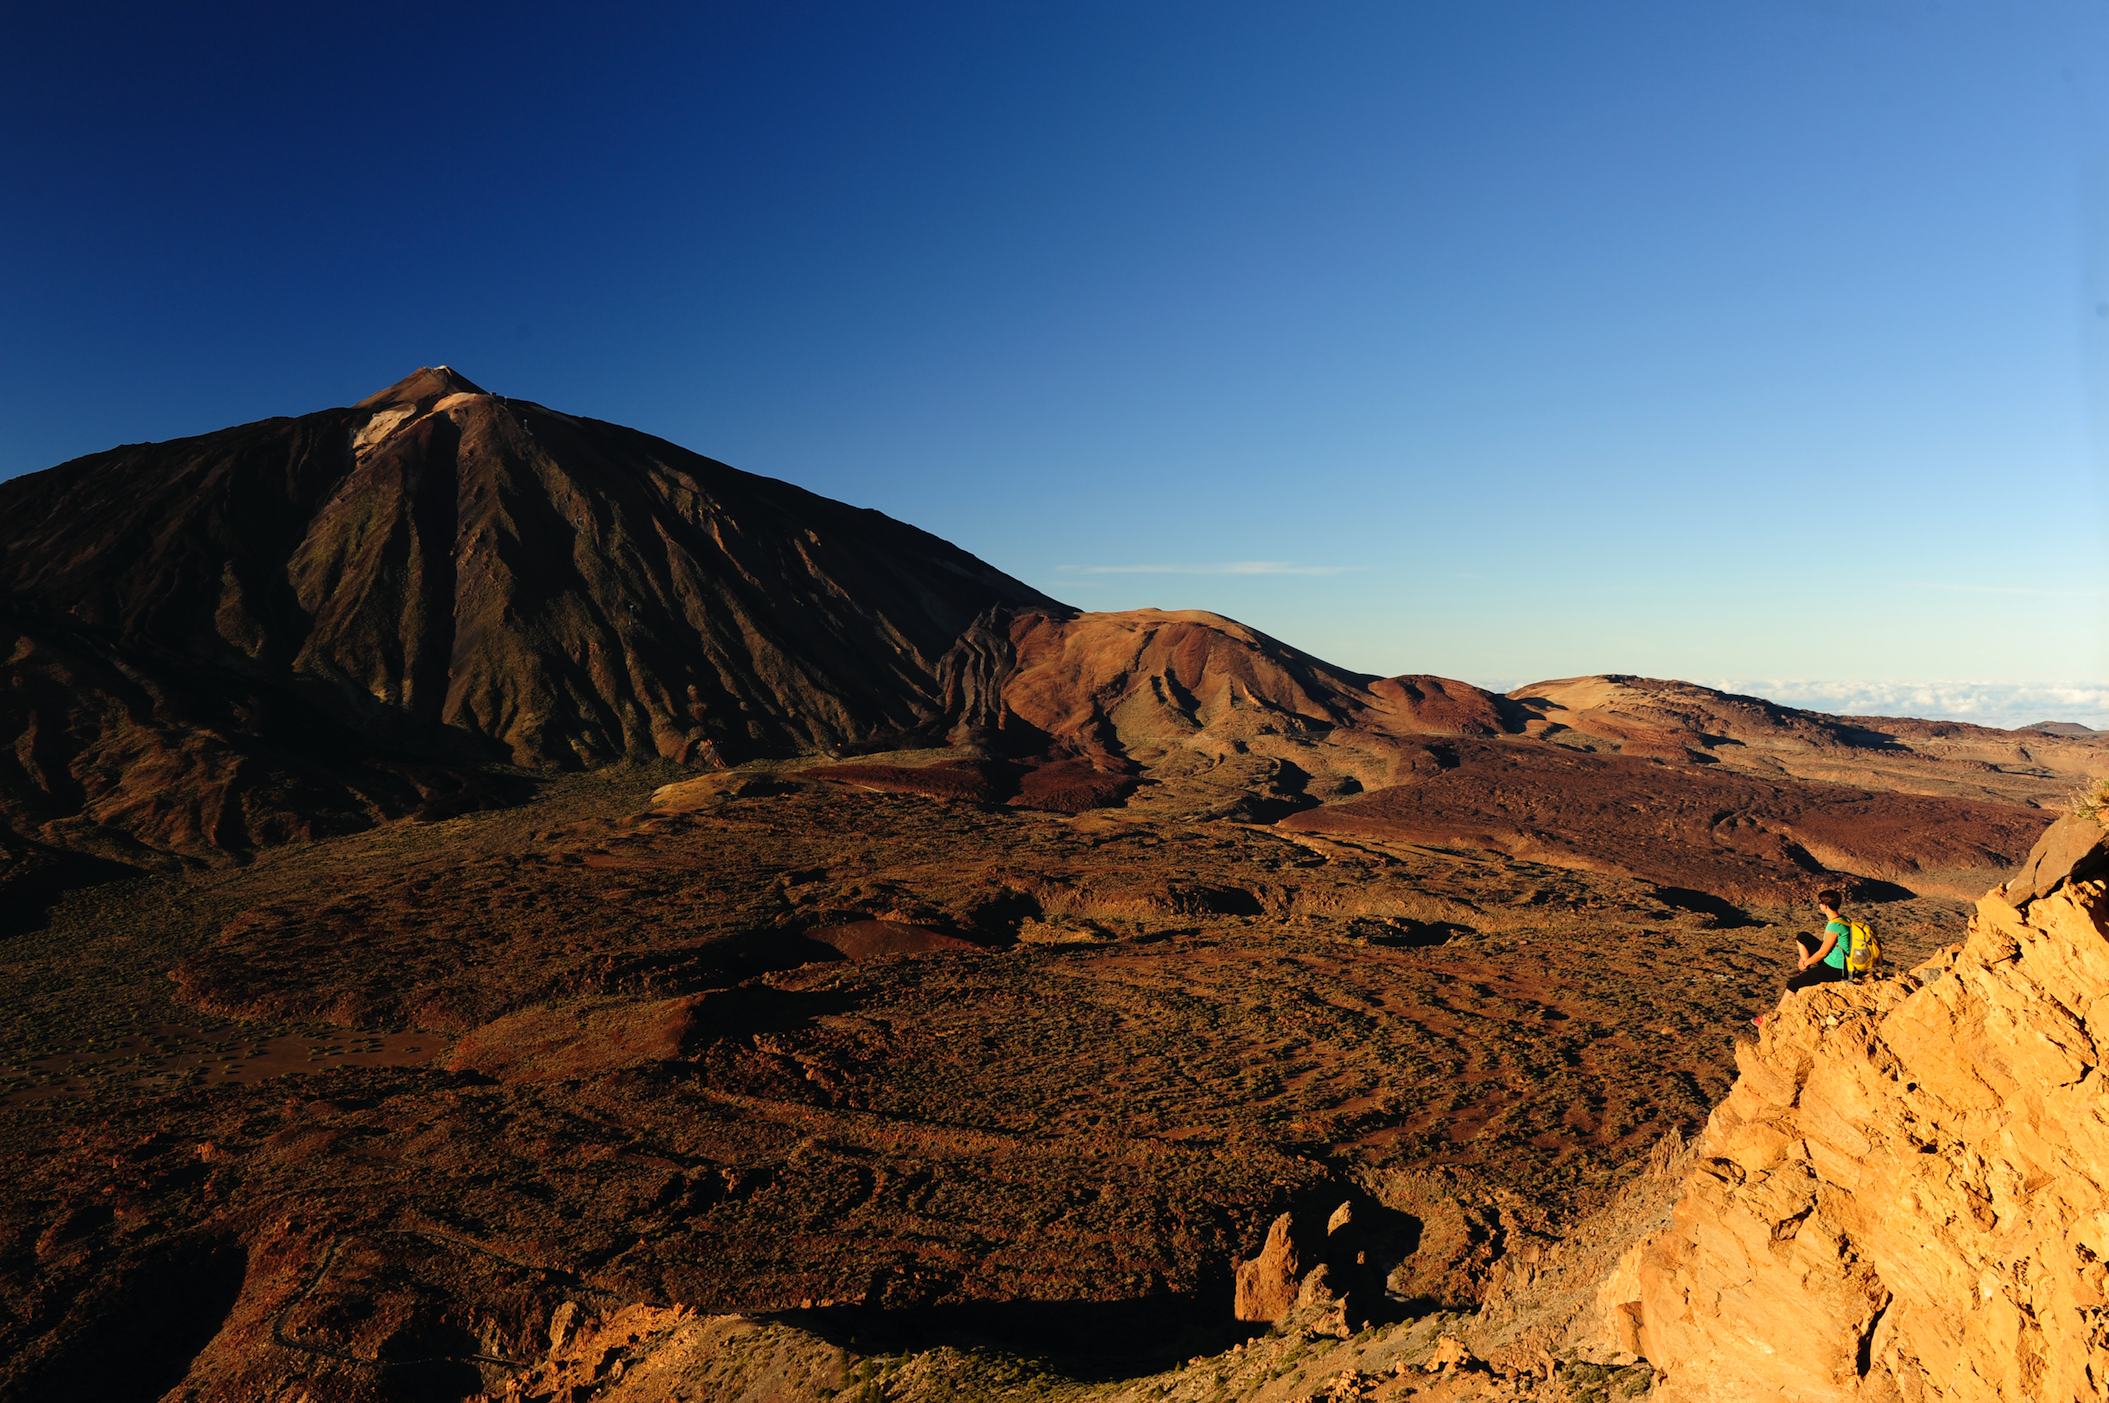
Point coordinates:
pixel 423 385
pixel 441 575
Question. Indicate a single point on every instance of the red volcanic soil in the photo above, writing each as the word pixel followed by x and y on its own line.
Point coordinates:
pixel 1729 834
pixel 587 1038
pixel 973 781
pixel 161 1058
pixel 662 1091
pixel 1120 683
pixel 1070 786
pixel 1441 706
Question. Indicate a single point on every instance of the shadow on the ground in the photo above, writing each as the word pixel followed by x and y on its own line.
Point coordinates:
pixel 1726 914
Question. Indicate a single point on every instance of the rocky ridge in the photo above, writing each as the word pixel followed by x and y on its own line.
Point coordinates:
pixel 1903 1196
pixel 1906 1194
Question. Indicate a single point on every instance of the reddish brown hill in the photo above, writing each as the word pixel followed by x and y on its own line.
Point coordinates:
pixel 443 572
pixel 1684 722
pixel 1146 680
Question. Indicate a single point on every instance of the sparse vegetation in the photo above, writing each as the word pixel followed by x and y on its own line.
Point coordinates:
pixel 2091 800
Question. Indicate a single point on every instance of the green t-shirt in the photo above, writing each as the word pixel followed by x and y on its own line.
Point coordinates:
pixel 1844 942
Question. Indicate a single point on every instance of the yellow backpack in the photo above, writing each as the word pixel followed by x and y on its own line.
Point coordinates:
pixel 1863 952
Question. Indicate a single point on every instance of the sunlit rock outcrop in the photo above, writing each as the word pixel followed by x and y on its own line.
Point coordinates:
pixel 1906 1195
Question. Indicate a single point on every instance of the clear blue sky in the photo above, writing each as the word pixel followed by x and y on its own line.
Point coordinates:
pixel 1723 341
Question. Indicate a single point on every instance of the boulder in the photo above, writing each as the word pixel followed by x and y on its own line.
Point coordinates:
pixel 1450 1353
pixel 2075 846
pixel 1267 1285
pixel 1320 1274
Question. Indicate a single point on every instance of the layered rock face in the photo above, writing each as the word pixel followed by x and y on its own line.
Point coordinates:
pixel 1906 1195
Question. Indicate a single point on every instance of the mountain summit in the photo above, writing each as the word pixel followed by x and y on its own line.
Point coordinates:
pixel 428 383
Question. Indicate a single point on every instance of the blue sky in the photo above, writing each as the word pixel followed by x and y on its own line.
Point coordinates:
pixel 1731 341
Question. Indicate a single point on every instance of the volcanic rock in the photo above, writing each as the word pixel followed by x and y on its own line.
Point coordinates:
pixel 648 1353
pixel 1904 1196
pixel 865 940
pixel 583 1039
pixel 1266 1286
pixel 1318 1272
pixel 2075 847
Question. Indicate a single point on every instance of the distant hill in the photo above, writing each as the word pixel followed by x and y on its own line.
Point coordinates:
pixel 2062 728
pixel 1685 722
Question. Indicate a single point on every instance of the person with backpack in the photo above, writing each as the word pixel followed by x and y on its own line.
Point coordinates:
pixel 1822 961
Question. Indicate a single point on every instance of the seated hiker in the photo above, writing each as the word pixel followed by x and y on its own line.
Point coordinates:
pixel 1822 960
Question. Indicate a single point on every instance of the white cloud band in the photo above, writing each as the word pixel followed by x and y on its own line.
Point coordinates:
pixel 2003 704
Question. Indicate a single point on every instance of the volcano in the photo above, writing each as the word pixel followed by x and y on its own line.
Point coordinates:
pixel 302 624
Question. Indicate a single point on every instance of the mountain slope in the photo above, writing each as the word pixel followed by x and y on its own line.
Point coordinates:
pixel 444 574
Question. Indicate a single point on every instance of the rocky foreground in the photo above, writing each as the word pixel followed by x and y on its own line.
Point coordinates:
pixel 1900 1197
pixel 1904 1197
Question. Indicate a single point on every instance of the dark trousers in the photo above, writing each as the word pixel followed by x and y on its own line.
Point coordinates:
pixel 1814 974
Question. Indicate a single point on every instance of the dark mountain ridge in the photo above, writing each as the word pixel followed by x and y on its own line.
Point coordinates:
pixel 440 576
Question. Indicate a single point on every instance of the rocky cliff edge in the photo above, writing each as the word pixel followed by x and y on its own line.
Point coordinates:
pixel 1906 1194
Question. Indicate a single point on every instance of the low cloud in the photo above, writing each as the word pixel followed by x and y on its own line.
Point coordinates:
pixel 1234 567
pixel 2003 704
